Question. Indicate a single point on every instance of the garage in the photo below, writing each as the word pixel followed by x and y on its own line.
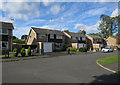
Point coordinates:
pixel 47 46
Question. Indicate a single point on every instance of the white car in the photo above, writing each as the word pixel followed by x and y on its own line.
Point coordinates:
pixel 107 49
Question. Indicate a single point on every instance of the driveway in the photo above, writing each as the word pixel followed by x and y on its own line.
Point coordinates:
pixel 60 69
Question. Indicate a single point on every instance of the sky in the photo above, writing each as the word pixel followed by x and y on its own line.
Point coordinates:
pixel 72 16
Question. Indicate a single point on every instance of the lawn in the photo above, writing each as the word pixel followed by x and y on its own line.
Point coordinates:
pixel 108 60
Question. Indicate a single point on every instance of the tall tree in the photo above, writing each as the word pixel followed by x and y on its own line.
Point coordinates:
pixel 108 25
pixel 82 32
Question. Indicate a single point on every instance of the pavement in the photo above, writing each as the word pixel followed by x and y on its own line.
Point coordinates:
pixel 59 69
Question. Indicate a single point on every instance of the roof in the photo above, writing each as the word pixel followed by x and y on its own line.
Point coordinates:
pixel 75 34
pixel 6 25
pixel 94 36
pixel 46 31
pixel 112 37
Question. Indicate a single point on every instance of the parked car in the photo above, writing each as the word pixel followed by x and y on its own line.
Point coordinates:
pixel 107 49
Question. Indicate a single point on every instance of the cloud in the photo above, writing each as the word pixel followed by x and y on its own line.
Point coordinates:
pixel 55 9
pixel 96 11
pixel 19 31
pixel 87 28
pixel 20 10
pixel 65 29
pixel 115 13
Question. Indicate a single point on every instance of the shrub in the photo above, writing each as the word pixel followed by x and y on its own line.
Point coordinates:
pixel 15 50
pixel 83 49
pixel 66 46
pixel 72 49
pixel 23 52
pixel 29 51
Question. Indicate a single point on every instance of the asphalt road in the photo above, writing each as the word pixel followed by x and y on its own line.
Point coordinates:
pixel 62 69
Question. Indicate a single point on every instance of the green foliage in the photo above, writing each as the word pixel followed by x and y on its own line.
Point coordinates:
pixel 72 49
pixel 23 53
pixel 82 32
pixel 15 50
pixel 83 49
pixel 108 25
pixel 66 31
pixel 66 46
pixel 18 41
pixel 29 51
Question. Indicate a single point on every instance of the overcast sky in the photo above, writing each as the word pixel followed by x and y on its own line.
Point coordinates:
pixel 71 16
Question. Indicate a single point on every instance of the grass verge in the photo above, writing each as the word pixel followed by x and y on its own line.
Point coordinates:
pixel 108 60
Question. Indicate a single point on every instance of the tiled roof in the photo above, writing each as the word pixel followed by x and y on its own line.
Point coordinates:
pixel 46 31
pixel 6 25
pixel 76 34
pixel 94 36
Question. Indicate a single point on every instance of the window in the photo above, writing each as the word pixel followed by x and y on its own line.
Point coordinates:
pixel 83 38
pixel 0 31
pixel 51 36
pixel 41 35
pixel 74 38
pixel 58 36
pixel 58 45
pixel 5 31
pixel 5 44
pixel 79 38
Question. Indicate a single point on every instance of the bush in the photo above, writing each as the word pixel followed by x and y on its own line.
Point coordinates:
pixel 15 50
pixel 29 51
pixel 83 50
pixel 72 49
pixel 22 52
pixel 66 46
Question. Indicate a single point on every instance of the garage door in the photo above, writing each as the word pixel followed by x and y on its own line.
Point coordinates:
pixel 47 47
pixel 81 45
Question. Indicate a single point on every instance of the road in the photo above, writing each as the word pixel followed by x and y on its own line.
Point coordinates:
pixel 62 69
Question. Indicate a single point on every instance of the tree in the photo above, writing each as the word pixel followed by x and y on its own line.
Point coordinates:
pixel 23 52
pixel 66 31
pixel 82 32
pixel 29 51
pixel 14 37
pixel 108 25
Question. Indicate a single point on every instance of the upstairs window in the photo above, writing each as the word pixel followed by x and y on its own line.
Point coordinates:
pixel 51 36
pixel 83 38
pixel 4 31
pixel 58 36
pixel 42 35
pixel 74 38
pixel 79 38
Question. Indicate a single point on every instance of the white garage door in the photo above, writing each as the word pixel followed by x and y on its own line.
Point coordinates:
pixel 81 45
pixel 47 47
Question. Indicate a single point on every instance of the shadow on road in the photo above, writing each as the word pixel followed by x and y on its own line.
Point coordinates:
pixel 112 78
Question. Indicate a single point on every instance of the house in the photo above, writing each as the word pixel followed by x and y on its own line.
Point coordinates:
pixel 47 40
pixel 112 42
pixel 6 36
pixel 77 40
pixel 95 42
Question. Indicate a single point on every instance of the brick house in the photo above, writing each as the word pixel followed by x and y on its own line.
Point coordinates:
pixel 95 42
pixel 47 40
pixel 77 40
pixel 6 36
pixel 112 42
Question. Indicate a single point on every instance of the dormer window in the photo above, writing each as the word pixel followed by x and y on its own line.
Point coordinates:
pixel 51 36
pixel 74 38
pixel 42 35
pixel 58 36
